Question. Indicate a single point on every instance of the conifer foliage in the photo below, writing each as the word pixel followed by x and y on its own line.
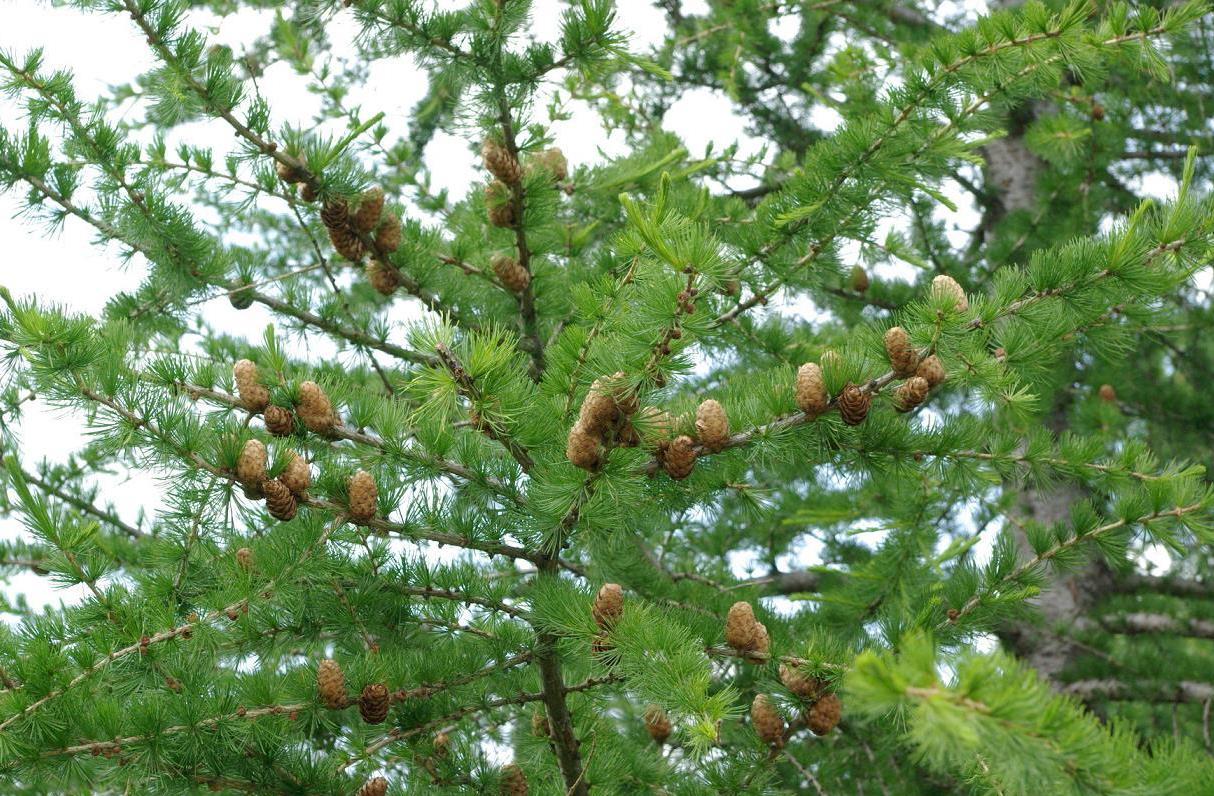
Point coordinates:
pixel 613 511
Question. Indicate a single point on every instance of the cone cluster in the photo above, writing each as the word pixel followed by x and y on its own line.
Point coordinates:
pixel 603 420
pixel 281 494
pixel 373 703
pixel 657 723
pixel 253 395
pixel 331 684
pixel 767 721
pixel 744 632
pixel 512 274
pixel 349 227
pixel 364 496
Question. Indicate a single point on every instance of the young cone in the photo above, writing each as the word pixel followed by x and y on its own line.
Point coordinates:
pixel 944 286
pixel 712 426
pixel 331 684
pixel 768 723
pixel 853 404
pixel 315 409
pixel 253 396
pixel 657 723
pixel 608 605
pixel 514 276
pixel 679 457
pixel 903 358
pixel 812 398
pixel 824 715
pixel 859 279
pixel 932 371
pixel 280 421
pixel 373 703
pixel 514 781
pixel 298 475
pixel 364 496
pixel 376 786
pixel 911 393
pixel 251 466
pixel 366 217
pixel 279 500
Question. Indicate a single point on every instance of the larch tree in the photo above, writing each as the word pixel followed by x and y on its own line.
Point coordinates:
pixel 865 460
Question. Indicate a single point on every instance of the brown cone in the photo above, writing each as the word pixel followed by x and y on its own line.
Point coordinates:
pixel 500 163
pixel 679 457
pixel 768 723
pixel 762 640
pixel 253 396
pixel 598 412
pixel 373 703
pixel 315 408
pixel 376 786
pixel 308 193
pixel 298 475
pixel 331 684
pixel 347 243
pixel 251 466
pixel 944 286
pixel 244 558
pixel 853 404
pixel 387 235
pixel 499 204
pixel 657 723
pixel 280 421
pixel 279 500
pixel 553 161
pixel 859 279
pixel 514 276
pixel 712 425
pixel 812 398
pixel 903 357
pixel 824 715
pixel 911 393
pixel 741 627
pixel 335 214
pixel 369 209
pixel 364 495
pixel 801 685
pixel 514 781
pixel 384 278
pixel 582 448
pixel 608 605
pixel 932 369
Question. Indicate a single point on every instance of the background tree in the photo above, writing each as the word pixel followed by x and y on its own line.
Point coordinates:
pixel 476 511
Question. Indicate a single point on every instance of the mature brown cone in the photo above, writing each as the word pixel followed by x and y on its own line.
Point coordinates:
pixel 712 425
pixel 384 278
pixel 944 286
pixel 364 496
pixel 315 409
pixel 553 160
pixel 768 723
pixel 244 557
pixel 903 357
pixel 824 715
pixel 539 724
pixel 514 276
pixel 741 627
pixel 387 234
pixel 279 500
pixel 514 781
pixel 1108 393
pixel 679 457
pixel 308 193
pixel 369 209
pixel 859 279
pixel 582 448
pixel 373 703
pixel 297 475
pixel 762 640
pixel 376 786
pixel 331 684
pixel 251 466
pixel 853 404
pixel 599 411
pixel 335 214
pixel 499 204
pixel 500 163
pixel 608 605
pixel 932 369
pixel 911 393
pixel 812 398
pixel 657 723
pixel 347 243
pixel 253 396
pixel 280 421
pixel 800 684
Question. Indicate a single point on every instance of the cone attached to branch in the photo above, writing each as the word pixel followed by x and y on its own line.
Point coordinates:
pixel 331 684
pixel 253 396
pixel 853 404
pixel 608 605
pixel 387 234
pixel 712 426
pixel 583 448
pixel 812 397
pixel 373 703
pixel 279 500
pixel 679 457
pixel 743 631
pixel 903 358
pixel 932 370
pixel 768 723
pixel 298 475
pixel 802 685
pixel 280 421
pixel 553 161
pixel 824 715
pixel 376 786
pixel 383 277
pixel 657 723
pixel 514 276
pixel 500 163
pixel 364 496
pixel 599 410
pixel 366 217
pixel 514 781
pixel 315 408
pixel 251 466
pixel 911 393
pixel 499 204
pixel 944 286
